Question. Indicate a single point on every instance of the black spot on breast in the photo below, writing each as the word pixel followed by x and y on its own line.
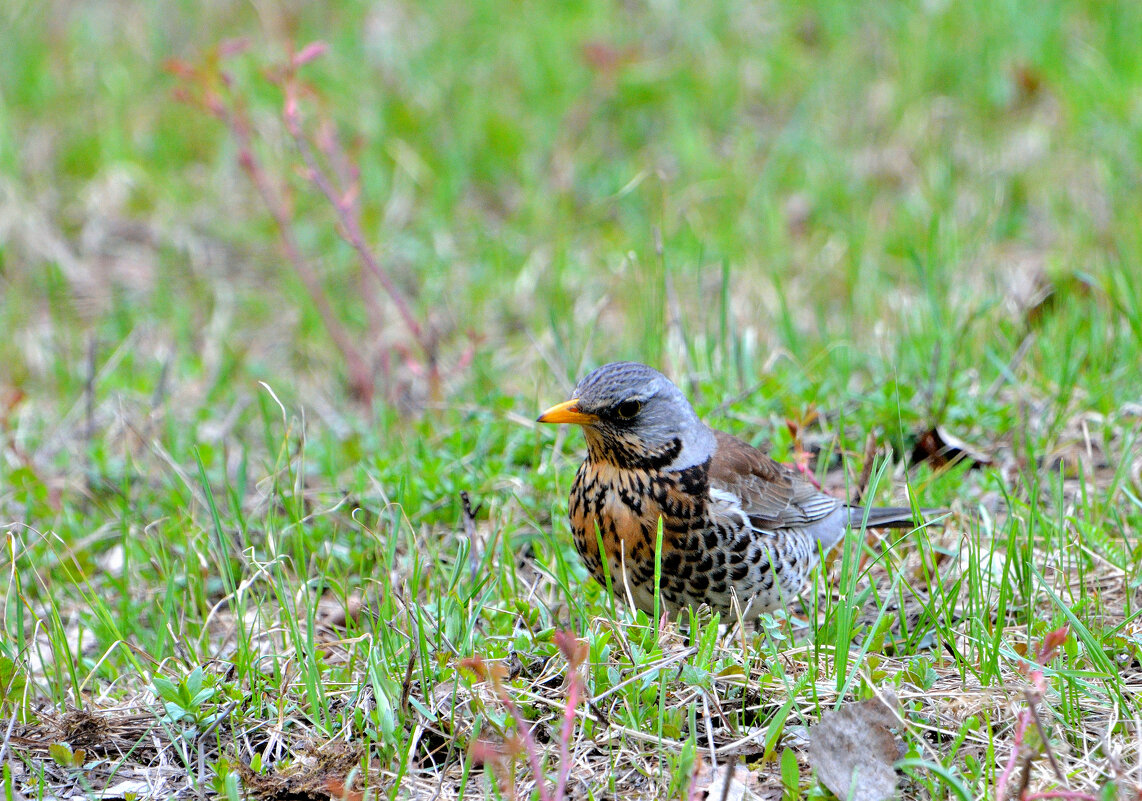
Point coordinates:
pixel 739 571
pixel 695 480
pixel 710 539
pixel 631 500
pixel 699 583
pixel 671 562
pixel 719 575
pixel 740 545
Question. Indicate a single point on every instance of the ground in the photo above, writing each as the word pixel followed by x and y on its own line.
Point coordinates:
pixel 280 282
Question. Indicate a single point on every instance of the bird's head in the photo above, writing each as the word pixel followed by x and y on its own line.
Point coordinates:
pixel 634 416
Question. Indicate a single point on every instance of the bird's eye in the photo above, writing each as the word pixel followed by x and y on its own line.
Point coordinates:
pixel 628 409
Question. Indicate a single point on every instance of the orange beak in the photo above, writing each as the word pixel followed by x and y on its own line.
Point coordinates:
pixel 567 412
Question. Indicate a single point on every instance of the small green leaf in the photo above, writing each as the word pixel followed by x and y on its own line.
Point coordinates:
pixel 61 753
pixel 950 779
pixel 790 775
pixel 165 689
pixel 729 671
pixel 12 686
pixel 194 682
pixel 385 717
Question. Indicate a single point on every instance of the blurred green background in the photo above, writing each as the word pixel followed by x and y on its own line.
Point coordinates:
pixel 580 179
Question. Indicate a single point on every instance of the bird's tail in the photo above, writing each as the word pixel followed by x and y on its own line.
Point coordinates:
pixel 890 516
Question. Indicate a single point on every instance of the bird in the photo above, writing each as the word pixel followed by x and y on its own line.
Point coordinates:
pixel 741 532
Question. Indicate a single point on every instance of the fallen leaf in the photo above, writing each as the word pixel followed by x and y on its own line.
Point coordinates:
pixel 337 789
pixel 132 788
pixel 942 448
pixel 732 782
pixel 336 613
pixel 853 749
pixel 1038 296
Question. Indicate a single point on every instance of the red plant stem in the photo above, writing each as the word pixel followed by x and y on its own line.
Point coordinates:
pixel 351 226
pixel 1047 650
pixel 565 734
pixel 528 742
pixel 359 375
pixel 1013 760
pixel 1033 708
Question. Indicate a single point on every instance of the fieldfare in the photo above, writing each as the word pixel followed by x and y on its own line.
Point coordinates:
pixel 735 523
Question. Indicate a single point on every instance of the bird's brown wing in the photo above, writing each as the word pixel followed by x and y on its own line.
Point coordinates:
pixel 772 495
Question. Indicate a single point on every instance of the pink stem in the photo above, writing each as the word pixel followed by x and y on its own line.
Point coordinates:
pixel 565 735
pixel 352 228
pixel 528 742
pixel 1013 760
pixel 359 374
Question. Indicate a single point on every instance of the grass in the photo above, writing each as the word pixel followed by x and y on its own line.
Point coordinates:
pixel 224 575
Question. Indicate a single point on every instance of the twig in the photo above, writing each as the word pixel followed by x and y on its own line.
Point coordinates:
pixel 495 675
pixel 344 205
pixel 729 766
pixel 89 389
pixel 574 651
pixel 336 177
pixel 469 516
pixel 1052 641
pixel 406 686
pixel 1033 708
pixel 870 447
pixel 8 733
pixel 239 128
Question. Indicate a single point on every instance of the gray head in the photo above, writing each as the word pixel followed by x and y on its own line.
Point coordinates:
pixel 634 416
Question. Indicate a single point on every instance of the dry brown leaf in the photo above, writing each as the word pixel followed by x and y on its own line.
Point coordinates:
pixel 942 448
pixel 709 783
pixel 853 749
pixel 744 784
pixel 336 613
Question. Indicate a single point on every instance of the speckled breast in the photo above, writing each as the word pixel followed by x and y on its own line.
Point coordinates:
pixel 710 551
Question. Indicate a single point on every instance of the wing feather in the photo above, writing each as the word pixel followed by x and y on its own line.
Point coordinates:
pixel 772 495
